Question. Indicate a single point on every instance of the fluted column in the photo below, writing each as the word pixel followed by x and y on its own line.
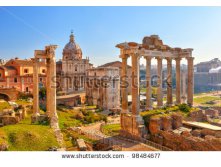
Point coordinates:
pixel 178 81
pixel 35 87
pixel 169 82
pixel 159 89
pixel 135 85
pixel 148 83
pixel 124 85
pixel 190 81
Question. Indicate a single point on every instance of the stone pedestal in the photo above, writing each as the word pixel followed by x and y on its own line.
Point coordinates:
pixel 132 127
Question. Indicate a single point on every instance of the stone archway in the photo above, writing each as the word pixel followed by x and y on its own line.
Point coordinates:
pixel 4 97
pixel 9 93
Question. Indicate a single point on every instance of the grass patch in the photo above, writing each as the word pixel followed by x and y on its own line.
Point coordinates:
pixel 205 99
pixel 27 137
pixel 66 119
pixel 111 129
pixel 4 105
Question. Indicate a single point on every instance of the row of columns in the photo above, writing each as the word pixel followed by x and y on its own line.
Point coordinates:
pixel 135 82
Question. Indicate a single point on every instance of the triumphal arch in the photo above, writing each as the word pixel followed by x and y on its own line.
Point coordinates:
pixel 152 47
pixel 47 56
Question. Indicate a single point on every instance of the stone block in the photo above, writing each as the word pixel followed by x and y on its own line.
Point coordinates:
pixel 9 120
pixel 177 120
pixel 154 125
pixel 166 123
pixel 196 133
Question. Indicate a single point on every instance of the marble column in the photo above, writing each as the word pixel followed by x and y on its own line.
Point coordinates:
pixel 148 83
pixel 35 87
pixel 135 85
pixel 53 103
pixel 159 88
pixel 169 82
pixel 190 84
pixel 48 86
pixel 124 87
pixel 178 81
pixel 51 86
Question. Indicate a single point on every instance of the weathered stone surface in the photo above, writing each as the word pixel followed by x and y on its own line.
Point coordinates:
pixel 9 120
pixel 3 146
pixel 196 133
pixel 81 144
pixel 197 116
pixel 166 123
pixel 177 120
pixel 39 118
pixel 205 132
pixel 183 143
pixel 186 134
pixel 212 112
pixel 154 125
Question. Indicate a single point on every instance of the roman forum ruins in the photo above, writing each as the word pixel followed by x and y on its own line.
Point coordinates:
pixel 152 47
pixel 47 55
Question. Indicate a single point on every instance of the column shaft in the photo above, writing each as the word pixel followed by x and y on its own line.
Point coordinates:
pixel 148 83
pixel 124 86
pixel 190 81
pixel 178 81
pixel 169 82
pixel 159 89
pixel 135 85
pixel 48 86
pixel 53 103
pixel 35 87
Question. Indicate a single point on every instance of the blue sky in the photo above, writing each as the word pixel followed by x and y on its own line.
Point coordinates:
pixel 98 29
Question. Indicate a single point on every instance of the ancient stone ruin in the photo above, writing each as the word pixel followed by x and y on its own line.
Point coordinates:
pixel 152 47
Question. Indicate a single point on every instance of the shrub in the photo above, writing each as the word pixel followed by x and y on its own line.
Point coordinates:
pixel 184 108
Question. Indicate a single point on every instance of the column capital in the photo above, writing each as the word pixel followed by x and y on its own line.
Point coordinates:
pixel 159 58
pixel 178 58
pixel 169 59
pixel 190 58
pixel 124 56
pixel 148 57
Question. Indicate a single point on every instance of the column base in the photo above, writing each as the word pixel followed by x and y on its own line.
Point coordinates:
pixel 132 126
pixel 149 108
pixel 169 104
pixel 39 119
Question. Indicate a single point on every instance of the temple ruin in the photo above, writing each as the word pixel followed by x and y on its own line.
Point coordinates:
pixel 151 48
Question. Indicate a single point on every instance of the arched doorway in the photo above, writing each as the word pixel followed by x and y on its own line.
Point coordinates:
pixel 4 97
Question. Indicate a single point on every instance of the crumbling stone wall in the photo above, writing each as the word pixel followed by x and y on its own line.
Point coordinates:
pixel 183 142
pixel 161 132
pixel 166 123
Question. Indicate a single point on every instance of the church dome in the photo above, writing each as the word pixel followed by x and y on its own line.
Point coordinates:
pixel 72 50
